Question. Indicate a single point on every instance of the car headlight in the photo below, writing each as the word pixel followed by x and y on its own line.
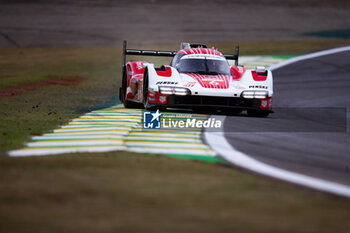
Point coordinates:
pixel 261 94
pixel 166 90
pixel 174 90
pixel 255 94
pixel 248 94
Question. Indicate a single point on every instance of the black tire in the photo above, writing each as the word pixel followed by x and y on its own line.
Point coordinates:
pixel 145 89
pixel 130 104
pixel 122 90
pixel 233 111
pixel 122 95
pixel 200 110
pixel 257 113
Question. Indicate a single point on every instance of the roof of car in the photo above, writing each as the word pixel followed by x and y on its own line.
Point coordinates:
pixel 200 51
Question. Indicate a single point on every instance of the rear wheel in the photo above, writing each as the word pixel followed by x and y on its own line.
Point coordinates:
pixel 122 90
pixel 257 113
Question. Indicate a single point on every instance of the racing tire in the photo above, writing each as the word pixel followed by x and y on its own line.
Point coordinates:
pixel 130 104
pixel 233 112
pixel 145 89
pixel 257 113
pixel 122 90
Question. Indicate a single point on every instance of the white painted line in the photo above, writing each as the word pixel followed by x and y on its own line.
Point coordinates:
pixel 107 120
pixel 115 123
pixel 105 132
pixel 158 139
pixel 166 145
pixel 134 134
pixel 309 56
pixel 100 127
pixel 95 142
pixel 91 129
pixel 55 151
pixel 183 151
pixel 110 117
pixel 67 137
pixel 218 142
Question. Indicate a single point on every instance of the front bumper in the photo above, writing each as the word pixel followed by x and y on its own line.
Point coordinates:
pixel 196 101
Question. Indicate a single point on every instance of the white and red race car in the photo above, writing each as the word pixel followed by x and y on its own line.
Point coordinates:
pixel 198 77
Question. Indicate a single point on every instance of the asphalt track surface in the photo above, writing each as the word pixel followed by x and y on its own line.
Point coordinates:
pixel 38 23
pixel 308 133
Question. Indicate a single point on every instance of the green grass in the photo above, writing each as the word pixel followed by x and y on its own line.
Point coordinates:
pixel 128 192
pixel 43 109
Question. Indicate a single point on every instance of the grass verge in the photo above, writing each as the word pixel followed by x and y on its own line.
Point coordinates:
pixel 43 109
pixel 127 192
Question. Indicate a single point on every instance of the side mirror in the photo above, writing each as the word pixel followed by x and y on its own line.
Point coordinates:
pixel 237 72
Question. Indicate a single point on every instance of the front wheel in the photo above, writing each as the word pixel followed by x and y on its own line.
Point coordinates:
pixel 145 89
pixel 257 113
pixel 233 111
pixel 130 104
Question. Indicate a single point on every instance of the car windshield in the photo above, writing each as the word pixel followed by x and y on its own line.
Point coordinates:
pixel 203 66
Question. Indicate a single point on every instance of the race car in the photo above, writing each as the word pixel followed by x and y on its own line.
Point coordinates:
pixel 197 77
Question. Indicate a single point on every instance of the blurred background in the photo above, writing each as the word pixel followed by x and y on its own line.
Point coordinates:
pixel 40 23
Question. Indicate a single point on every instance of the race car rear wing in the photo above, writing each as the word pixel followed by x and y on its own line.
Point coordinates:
pixel 233 56
pixel 145 52
pixel 167 53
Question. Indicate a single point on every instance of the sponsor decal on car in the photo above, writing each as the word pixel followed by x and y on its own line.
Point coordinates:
pixel 162 99
pixel 266 103
pixel 258 86
pixel 166 82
